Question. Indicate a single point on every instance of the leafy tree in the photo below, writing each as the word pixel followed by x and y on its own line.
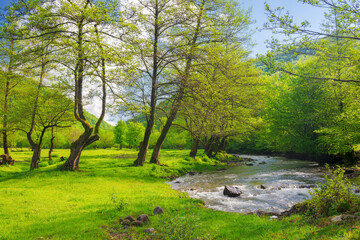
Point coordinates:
pixel 209 21
pixel 120 133
pixel 83 31
pixel 134 134
pixel 297 107
pixel 155 51
pixel 223 100
pixel 10 72
pixel 335 51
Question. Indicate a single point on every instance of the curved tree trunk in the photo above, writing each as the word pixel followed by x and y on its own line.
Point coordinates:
pixel 35 157
pixel 155 154
pixel 76 148
pixel 194 147
pixel 36 148
pixel 179 97
pixel 145 143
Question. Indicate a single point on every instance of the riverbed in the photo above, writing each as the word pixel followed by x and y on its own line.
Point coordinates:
pixel 272 184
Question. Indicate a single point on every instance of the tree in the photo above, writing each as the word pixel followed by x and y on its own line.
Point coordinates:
pixel 48 109
pixel 134 134
pixel 10 73
pixel 83 28
pixel 155 47
pixel 298 107
pixel 335 50
pixel 223 98
pixel 120 133
pixel 209 21
pixel 340 28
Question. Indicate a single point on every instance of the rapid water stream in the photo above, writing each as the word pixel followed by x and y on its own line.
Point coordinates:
pixel 286 183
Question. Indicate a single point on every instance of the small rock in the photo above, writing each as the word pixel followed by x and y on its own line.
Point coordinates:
pixel 307 186
pixel 130 218
pixel 357 190
pixel 262 186
pixel 221 169
pixel 191 173
pixel 126 222
pixel 249 164
pixel 263 162
pixel 192 189
pixel 177 182
pixel 158 210
pixel 274 217
pixel 336 219
pixel 149 230
pixel 138 223
pixel 232 191
pixel 143 218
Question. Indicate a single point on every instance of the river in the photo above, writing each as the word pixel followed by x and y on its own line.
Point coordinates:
pixel 286 183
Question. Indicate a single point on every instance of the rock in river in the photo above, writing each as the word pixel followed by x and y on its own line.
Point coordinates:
pixel 232 191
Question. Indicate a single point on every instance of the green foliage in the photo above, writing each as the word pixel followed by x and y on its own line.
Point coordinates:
pixel 120 133
pixel 223 156
pixel 106 140
pixel 332 197
pixel 205 158
pixel 297 107
pixel 135 134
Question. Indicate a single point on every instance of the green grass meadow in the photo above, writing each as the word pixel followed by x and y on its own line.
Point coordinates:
pixel 51 204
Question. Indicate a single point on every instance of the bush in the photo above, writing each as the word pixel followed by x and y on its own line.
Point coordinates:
pixel 205 158
pixel 332 197
pixel 223 156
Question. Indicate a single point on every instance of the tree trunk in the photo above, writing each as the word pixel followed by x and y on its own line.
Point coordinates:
pixel 179 97
pixel 5 143
pixel 155 154
pixel 51 144
pixel 154 78
pixel 76 148
pixel 223 143
pixel 145 143
pixel 194 147
pixel 35 157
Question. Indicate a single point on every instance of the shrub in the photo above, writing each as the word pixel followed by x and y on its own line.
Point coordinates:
pixel 206 158
pixel 119 203
pixel 332 197
pixel 223 156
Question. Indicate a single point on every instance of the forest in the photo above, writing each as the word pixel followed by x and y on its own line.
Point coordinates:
pixel 188 96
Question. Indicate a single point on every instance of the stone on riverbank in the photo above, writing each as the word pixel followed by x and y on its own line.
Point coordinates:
pixel 231 191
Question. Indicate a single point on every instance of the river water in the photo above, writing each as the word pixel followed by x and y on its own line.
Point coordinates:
pixel 286 181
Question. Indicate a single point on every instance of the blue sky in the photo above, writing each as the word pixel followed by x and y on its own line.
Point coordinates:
pixel 299 11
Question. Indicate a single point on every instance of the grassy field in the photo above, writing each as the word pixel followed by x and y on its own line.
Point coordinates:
pixel 87 204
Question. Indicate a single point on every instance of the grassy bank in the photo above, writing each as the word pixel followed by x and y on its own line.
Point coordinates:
pixel 50 204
